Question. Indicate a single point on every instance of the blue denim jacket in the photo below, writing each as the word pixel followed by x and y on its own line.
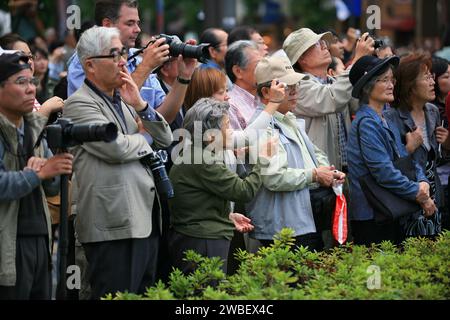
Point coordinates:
pixel 377 145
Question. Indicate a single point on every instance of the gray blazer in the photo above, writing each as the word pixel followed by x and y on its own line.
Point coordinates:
pixel 115 193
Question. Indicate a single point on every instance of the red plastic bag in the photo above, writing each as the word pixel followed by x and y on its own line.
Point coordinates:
pixel 339 226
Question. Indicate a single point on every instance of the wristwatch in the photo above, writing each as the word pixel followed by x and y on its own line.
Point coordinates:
pixel 183 81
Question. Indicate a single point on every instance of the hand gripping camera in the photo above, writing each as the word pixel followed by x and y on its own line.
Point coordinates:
pixel 177 47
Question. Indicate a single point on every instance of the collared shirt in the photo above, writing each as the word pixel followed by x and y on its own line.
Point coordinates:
pixel 242 107
pixel 294 179
pixel 151 90
pixel 116 101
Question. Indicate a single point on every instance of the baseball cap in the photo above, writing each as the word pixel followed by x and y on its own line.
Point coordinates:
pixel 11 64
pixel 280 68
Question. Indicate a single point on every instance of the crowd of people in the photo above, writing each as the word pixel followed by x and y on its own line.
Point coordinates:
pixel 255 142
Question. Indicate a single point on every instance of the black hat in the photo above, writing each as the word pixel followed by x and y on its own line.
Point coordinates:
pixel 11 64
pixel 366 68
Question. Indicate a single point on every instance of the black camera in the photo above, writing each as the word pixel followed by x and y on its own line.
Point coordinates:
pixel 378 43
pixel 155 162
pixel 64 133
pixel 177 47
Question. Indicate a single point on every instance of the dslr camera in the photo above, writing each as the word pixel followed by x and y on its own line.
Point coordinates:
pixel 155 162
pixel 64 133
pixel 177 47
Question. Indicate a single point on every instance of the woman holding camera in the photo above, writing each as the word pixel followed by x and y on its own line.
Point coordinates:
pixel 204 186
pixel 418 120
pixel 372 149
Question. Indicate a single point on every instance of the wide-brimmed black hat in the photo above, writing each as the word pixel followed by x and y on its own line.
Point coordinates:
pixel 366 68
pixel 11 64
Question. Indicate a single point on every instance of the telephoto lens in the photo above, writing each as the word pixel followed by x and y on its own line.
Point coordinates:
pixel 155 161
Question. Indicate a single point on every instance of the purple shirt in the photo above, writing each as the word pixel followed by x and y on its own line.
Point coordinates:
pixel 242 107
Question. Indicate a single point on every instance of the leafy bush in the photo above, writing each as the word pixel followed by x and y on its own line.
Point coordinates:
pixel 417 270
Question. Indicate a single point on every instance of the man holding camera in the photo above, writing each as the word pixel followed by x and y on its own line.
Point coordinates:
pixel 323 101
pixel 118 217
pixel 124 15
pixel 28 172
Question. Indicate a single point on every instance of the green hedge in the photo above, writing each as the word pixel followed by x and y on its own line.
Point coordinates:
pixel 420 269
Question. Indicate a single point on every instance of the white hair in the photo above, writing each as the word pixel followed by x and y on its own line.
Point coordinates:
pixel 95 41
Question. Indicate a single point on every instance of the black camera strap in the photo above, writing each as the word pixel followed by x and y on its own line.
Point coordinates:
pixel 110 106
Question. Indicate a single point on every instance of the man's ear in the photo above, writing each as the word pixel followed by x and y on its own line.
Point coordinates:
pixel 237 71
pixel 212 52
pixel 106 22
pixel 265 92
pixel 89 66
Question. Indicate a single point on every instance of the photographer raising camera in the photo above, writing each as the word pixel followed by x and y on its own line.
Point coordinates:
pixel 118 219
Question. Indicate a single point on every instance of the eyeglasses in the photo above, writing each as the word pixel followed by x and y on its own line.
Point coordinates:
pixel 429 76
pixel 387 80
pixel 322 44
pixel 292 88
pixel 116 55
pixel 25 82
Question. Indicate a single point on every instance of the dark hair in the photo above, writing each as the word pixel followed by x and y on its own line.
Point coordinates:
pixel 110 9
pixel 406 74
pixel 439 67
pixel 446 37
pixel 86 25
pixel 333 64
pixel 209 36
pixel 8 40
pixel 241 33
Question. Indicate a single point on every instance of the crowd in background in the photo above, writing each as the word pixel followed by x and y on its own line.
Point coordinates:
pixel 325 110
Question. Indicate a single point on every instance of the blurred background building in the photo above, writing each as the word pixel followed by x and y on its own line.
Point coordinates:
pixel 406 22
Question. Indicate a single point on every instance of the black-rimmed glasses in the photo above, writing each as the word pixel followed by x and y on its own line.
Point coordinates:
pixel 116 55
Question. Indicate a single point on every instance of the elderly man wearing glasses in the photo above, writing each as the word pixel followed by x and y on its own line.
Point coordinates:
pixel 118 217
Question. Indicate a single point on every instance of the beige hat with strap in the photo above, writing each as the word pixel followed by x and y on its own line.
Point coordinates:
pixel 301 40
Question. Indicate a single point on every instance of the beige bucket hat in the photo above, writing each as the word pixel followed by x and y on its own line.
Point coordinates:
pixel 301 40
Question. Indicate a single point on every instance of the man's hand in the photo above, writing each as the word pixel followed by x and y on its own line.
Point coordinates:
pixel 50 106
pixel 155 55
pixel 35 163
pixel 241 222
pixel 55 166
pixel 364 46
pixel 130 91
pixel 325 176
pixel 186 66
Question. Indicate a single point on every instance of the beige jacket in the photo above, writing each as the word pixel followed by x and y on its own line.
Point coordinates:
pixel 115 193
pixel 318 104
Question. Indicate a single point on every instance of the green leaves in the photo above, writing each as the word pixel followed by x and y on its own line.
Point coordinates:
pixel 419 269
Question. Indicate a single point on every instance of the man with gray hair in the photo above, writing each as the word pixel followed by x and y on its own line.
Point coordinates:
pixel 118 219
pixel 240 63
